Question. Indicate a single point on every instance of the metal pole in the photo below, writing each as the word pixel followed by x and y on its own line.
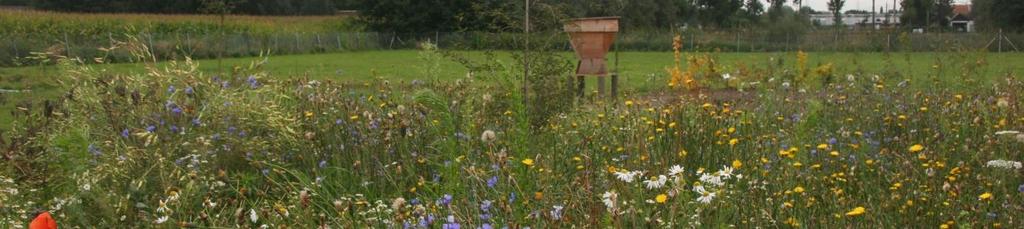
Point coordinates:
pixel 1000 38
pixel 526 53
pixel 68 45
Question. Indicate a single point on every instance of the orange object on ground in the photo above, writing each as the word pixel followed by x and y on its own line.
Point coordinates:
pixel 43 221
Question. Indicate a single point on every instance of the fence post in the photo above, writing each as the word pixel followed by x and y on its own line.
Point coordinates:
pixel 737 42
pixel 338 38
pixel 318 44
pixel 69 51
pixel 296 43
pixel 1000 38
pixel 14 44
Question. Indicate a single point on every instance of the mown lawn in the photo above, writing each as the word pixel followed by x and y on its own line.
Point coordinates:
pixel 641 71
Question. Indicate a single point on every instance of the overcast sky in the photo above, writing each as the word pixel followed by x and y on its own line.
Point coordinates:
pixel 822 5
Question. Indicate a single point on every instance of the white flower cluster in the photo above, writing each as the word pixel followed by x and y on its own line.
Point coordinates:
pixel 707 189
pixel 1004 164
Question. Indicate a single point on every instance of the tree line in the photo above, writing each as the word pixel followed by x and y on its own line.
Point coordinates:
pixel 496 15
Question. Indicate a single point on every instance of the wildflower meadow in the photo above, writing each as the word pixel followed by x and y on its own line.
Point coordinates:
pixel 786 145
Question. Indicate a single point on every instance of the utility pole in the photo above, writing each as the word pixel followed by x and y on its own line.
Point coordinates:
pixel 873 14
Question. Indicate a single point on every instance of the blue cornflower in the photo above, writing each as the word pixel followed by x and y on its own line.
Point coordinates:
pixel 176 110
pixel 175 129
pixel 451 223
pixel 189 90
pixel 151 128
pixel 486 205
pixel 322 164
pixel 171 89
pixel 445 200
pixel 491 182
pixel 196 122
pixel 1020 188
pixel 94 151
pixel 486 226
pixel 124 133
pixel 252 82
pixel 512 197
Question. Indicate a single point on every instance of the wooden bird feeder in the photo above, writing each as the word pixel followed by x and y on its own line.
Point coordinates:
pixel 591 38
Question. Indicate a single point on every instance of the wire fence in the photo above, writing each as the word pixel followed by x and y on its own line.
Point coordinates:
pixel 15 49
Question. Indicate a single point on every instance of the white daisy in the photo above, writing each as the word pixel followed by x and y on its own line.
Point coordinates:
pixel 699 189
pixel 675 170
pixel 253 216
pixel 627 176
pixel 712 179
pixel 706 197
pixel 656 182
pixel 161 220
pixel 609 199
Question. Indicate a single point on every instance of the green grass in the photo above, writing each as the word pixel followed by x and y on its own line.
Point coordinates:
pixel 640 70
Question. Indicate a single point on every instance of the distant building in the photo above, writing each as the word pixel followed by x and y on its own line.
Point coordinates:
pixel 961 21
pixel 859 20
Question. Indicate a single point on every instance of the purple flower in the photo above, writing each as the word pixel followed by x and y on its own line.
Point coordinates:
pixel 151 128
pixel 189 90
pixel 322 164
pixel 94 151
pixel 265 172
pixel 175 129
pixel 1020 188
pixel 512 197
pixel 445 200
pixel 171 89
pixel 491 182
pixel 486 226
pixel 485 206
pixel 124 133
pixel 176 110
pixel 196 122
pixel 338 122
pixel 252 82
pixel 451 223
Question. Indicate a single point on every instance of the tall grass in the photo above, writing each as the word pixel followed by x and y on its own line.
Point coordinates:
pixel 177 147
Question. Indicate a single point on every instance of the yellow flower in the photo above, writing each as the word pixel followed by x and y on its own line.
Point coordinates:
pixel 736 164
pixel 733 141
pixel 309 114
pixel 834 153
pixel 822 146
pixel 629 102
pixel 916 148
pixel 856 211
pixel 985 196
pixel 661 198
pixel 798 189
pixel 528 162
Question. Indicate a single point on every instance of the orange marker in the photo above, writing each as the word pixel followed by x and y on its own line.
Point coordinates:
pixel 43 221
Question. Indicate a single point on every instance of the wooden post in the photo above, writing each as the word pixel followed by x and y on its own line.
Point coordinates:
pixel 615 85
pixel 581 85
pixel 600 86
pixel 338 38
